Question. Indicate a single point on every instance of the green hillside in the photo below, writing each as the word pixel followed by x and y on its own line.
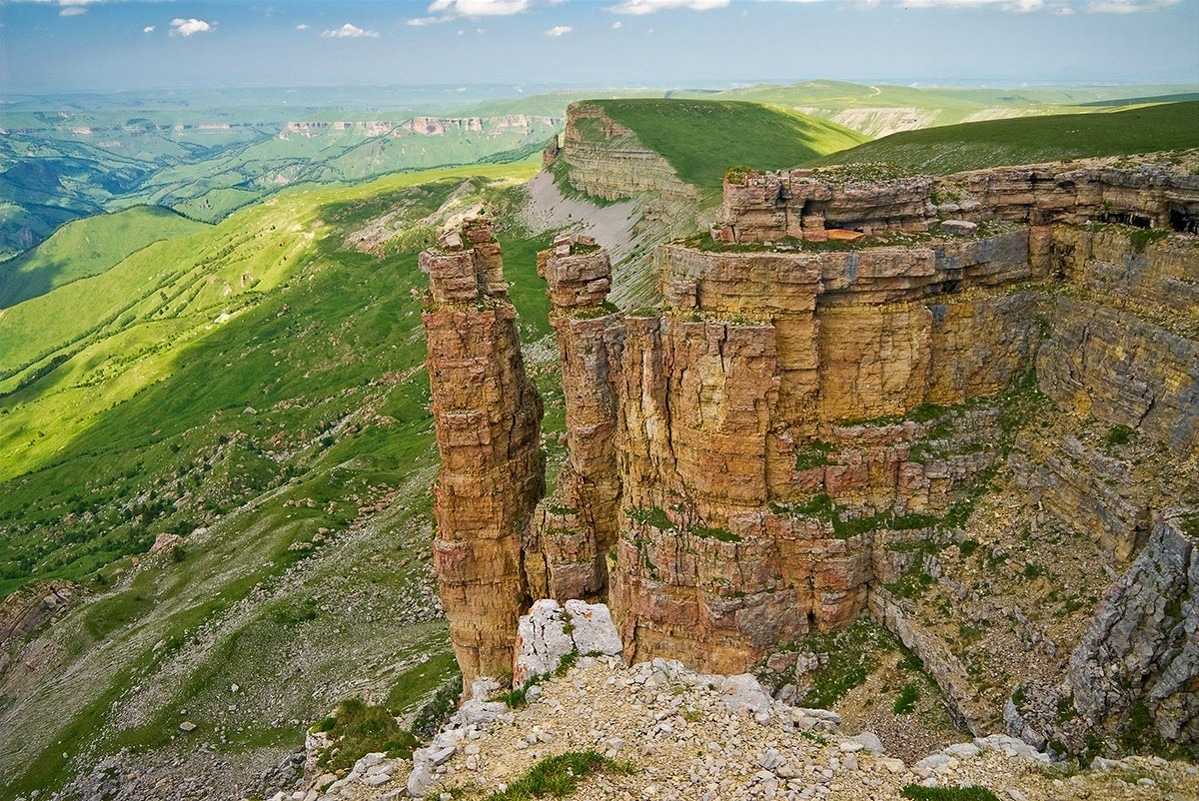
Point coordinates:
pixel 881 109
pixel 257 388
pixel 87 247
pixel 702 138
pixel 978 145
pixel 71 157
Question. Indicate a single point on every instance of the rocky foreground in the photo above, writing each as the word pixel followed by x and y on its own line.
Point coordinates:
pixel 683 735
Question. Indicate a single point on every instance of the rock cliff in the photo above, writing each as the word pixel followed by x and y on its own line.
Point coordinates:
pixel 1142 649
pixel 488 418
pixel 608 161
pixel 854 386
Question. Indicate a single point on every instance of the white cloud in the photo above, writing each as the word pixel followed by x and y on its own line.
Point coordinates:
pixel 650 6
pixel 74 8
pixel 349 31
pixel 1126 6
pixel 303 26
pixel 149 29
pixel 559 30
pixel 617 25
pixel 186 27
pixel 446 10
pixel 477 8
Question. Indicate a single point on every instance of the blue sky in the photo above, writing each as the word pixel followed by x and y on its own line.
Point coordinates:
pixel 110 45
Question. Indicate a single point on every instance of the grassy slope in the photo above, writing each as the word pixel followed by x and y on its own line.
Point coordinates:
pixel 701 138
pixel 940 151
pixel 143 430
pixel 105 341
pixel 882 109
pixel 87 247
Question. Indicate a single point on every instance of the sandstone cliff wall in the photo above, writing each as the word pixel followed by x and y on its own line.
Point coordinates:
pixel 732 539
pixel 800 427
pixel 804 203
pixel 487 416
pixel 579 525
pixel 607 160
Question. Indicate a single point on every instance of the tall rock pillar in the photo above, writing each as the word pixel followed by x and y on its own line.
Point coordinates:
pixel 580 524
pixel 488 420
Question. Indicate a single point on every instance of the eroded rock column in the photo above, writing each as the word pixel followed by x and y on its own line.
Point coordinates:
pixel 581 523
pixel 488 420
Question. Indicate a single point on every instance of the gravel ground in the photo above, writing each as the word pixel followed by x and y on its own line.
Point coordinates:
pixel 548 209
pixel 703 738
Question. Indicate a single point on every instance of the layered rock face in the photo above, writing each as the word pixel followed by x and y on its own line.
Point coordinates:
pixel 578 527
pixel 608 161
pixel 804 203
pixel 1143 646
pixel 487 415
pixel 788 442
pixel 751 506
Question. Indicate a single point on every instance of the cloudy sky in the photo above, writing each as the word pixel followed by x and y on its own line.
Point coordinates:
pixel 108 45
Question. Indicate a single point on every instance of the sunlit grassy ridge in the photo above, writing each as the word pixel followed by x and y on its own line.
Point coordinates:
pixel 978 145
pixel 701 138
pixel 885 108
pixel 87 247
pixel 268 309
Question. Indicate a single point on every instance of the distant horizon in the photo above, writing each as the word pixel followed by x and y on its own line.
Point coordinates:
pixel 1184 87
pixel 105 47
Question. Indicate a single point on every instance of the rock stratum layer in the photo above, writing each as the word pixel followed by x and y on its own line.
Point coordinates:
pixel 793 439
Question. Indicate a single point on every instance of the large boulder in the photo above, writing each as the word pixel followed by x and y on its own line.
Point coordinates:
pixel 549 632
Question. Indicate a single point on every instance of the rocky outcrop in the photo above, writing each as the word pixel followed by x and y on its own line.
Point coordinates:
pixel 803 424
pixel 1142 648
pixel 580 524
pixel 705 737
pixel 33 606
pixel 553 632
pixel 487 415
pixel 804 204
pixel 608 161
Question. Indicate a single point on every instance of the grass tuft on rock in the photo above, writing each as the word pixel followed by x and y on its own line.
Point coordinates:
pixel 921 793
pixel 559 776
pixel 358 729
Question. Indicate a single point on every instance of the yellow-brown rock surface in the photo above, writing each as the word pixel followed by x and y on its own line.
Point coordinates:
pixel 487 415
pixel 757 458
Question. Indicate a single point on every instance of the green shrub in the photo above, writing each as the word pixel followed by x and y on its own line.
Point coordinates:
pixel 814 454
pixel 737 174
pixel 358 729
pixel 722 534
pixel 905 704
pixel 1119 435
